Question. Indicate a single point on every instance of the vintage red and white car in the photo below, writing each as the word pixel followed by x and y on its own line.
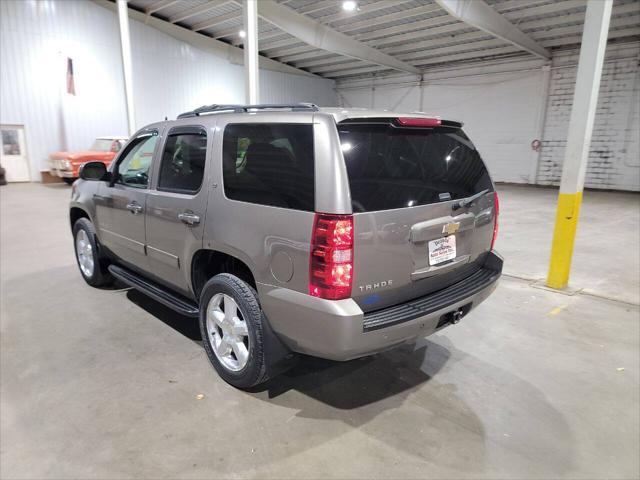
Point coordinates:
pixel 66 165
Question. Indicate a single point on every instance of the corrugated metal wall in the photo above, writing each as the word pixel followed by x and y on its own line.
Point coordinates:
pixel 36 37
pixel 170 76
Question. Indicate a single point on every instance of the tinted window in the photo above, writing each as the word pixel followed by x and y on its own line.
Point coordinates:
pixel 392 167
pixel 183 160
pixel 133 169
pixel 270 164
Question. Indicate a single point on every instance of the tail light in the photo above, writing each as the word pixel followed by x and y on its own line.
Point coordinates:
pixel 496 208
pixel 331 259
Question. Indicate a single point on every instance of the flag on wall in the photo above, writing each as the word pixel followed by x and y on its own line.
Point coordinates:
pixel 71 87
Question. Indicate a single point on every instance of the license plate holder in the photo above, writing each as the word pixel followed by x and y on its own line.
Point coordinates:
pixel 442 250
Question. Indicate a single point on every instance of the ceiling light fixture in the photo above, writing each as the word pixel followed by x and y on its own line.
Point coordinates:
pixel 349 5
pixel 242 34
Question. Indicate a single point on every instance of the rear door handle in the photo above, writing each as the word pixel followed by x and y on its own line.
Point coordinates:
pixel 189 218
pixel 134 207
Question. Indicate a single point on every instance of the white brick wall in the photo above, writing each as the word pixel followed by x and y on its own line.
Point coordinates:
pixel 614 161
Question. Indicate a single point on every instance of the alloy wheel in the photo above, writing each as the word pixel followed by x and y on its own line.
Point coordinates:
pixel 84 252
pixel 227 332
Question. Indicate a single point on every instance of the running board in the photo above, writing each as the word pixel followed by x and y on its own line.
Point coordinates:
pixel 155 291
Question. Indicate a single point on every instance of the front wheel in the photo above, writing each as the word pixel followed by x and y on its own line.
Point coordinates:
pixel 91 265
pixel 233 331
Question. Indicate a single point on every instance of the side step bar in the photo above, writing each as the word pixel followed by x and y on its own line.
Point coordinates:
pixel 155 291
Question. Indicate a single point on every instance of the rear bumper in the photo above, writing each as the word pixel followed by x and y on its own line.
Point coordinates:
pixel 339 330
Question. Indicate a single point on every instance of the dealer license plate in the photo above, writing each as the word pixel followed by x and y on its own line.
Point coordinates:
pixel 442 250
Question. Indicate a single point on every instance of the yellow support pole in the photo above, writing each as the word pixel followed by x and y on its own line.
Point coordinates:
pixel 563 239
pixel 585 99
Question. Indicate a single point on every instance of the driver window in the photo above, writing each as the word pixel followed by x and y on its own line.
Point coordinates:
pixel 133 169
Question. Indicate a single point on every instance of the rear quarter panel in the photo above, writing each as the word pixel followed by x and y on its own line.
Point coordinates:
pixel 274 242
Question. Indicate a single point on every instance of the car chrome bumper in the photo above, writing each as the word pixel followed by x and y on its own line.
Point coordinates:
pixel 61 173
pixel 340 330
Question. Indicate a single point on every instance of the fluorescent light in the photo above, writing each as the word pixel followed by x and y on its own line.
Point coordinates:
pixel 242 34
pixel 345 147
pixel 349 5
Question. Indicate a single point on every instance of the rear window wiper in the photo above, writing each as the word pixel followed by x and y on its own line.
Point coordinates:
pixel 467 202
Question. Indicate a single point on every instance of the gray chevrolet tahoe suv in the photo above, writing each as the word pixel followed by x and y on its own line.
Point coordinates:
pixel 292 228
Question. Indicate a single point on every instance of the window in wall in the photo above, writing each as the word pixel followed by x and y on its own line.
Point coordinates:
pixel 270 164
pixel 183 160
pixel 133 169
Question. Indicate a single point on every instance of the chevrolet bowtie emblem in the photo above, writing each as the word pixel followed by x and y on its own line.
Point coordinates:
pixel 451 228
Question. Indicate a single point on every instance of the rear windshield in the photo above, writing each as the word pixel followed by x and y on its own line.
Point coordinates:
pixel 391 167
pixel 269 164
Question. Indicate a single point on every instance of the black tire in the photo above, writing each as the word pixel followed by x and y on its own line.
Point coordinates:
pixel 68 181
pixel 101 276
pixel 256 370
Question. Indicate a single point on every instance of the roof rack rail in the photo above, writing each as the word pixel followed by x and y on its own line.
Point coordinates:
pixel 294 107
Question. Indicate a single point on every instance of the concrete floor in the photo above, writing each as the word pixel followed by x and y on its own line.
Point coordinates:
pixel 533 384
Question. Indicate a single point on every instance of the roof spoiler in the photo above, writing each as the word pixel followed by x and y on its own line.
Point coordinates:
pixel 405 122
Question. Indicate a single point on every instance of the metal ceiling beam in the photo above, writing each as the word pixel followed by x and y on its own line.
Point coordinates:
pixel 480 15
pixel 294 56
pixel 409 31
pixel 533 11
pixel 541 36
pixel 620 22
pixel 475 43
pixel 452 58
pixel 200 9
pixel 157 6
pixel 576 39
pixel 229 32
pixel 550 26
pixel 223 50
pixel 372 22
pixel 305 60
pixel 318 6
pixel 389 17
pixel 510 5
pixel 364 9
pixel 628 26
pixel 352 17
pixel 326 38
pixel 417 31
pixel 212 22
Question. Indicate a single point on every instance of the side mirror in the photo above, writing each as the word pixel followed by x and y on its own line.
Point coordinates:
pixel 94 171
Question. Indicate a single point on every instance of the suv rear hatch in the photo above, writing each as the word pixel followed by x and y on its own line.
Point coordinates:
pixel 415 231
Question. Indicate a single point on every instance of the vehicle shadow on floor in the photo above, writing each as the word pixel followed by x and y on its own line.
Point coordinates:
pixel 342 385
pixel 360 382
pixel 187 326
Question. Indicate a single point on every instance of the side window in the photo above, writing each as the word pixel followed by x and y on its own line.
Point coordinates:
pixel 270 164
pixel 133 169
pixel 183 160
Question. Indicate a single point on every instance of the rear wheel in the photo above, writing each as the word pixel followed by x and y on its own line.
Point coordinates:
pixel 92 266
pixel 232 326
